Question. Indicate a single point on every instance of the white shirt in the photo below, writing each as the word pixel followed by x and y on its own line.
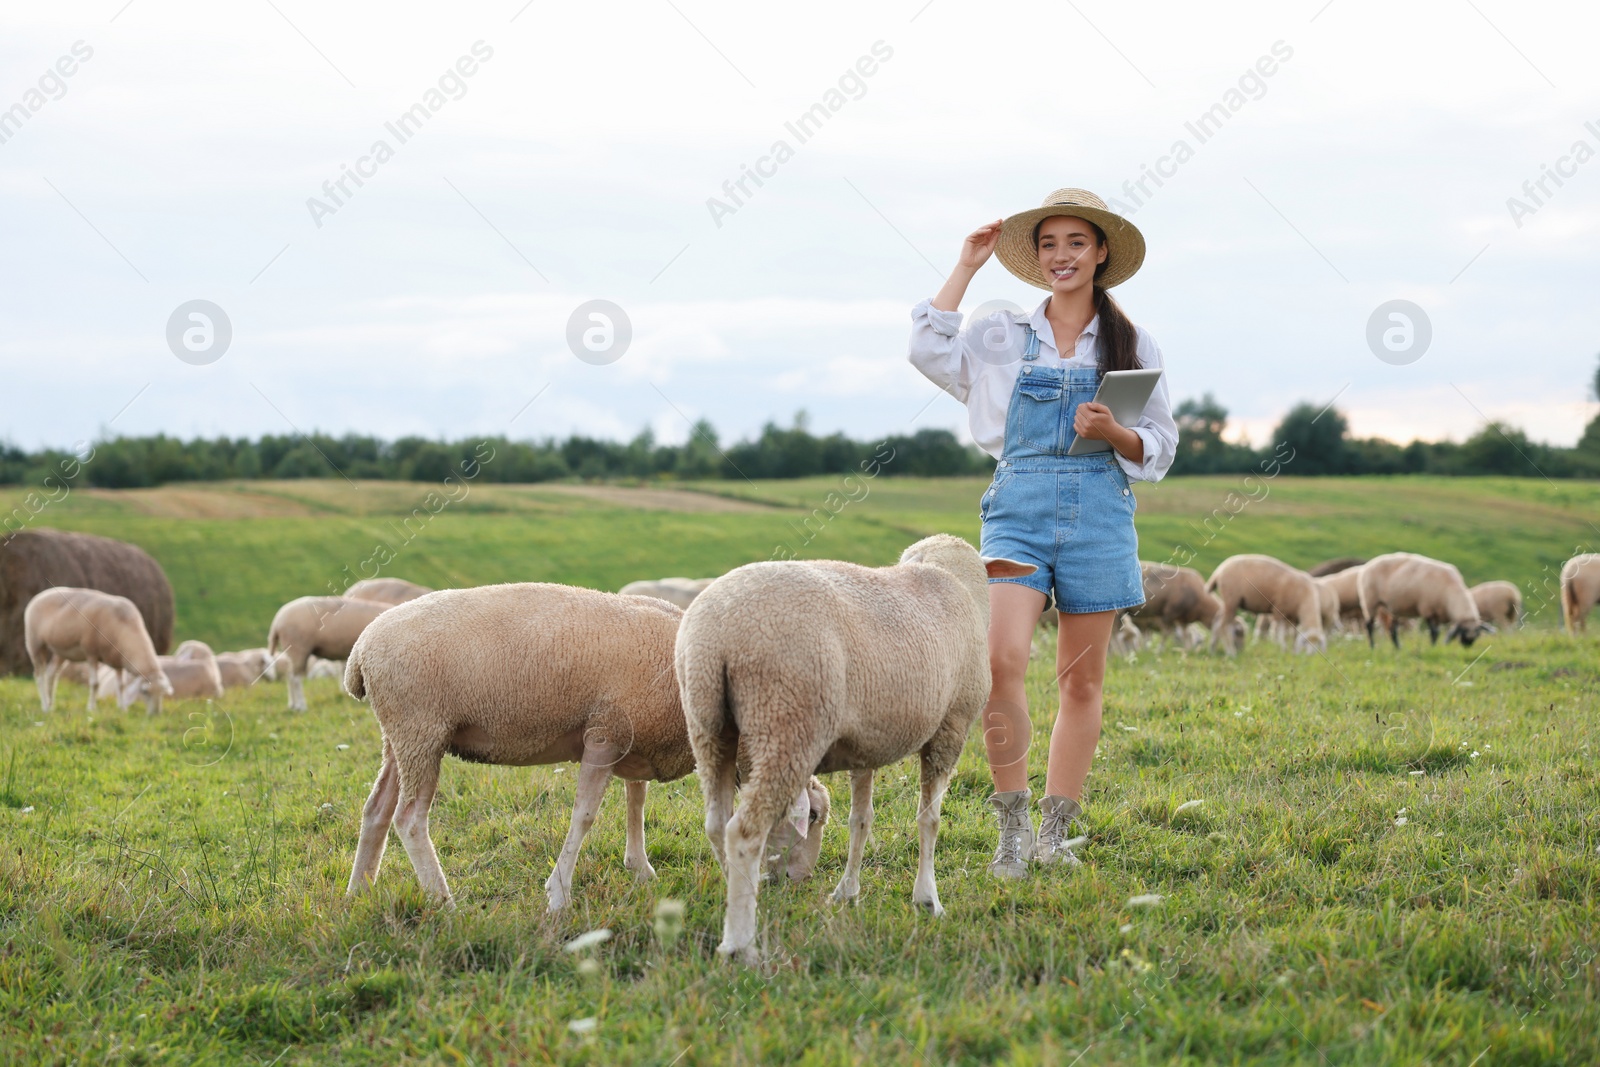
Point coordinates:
pixel 979 366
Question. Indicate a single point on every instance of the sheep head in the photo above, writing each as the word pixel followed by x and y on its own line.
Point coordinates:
pixel 798 836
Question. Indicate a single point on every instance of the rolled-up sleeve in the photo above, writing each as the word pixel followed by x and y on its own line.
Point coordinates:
pixel 937 349
pixel 1155 427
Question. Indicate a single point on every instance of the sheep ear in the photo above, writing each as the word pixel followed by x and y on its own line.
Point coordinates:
pixel 1000 567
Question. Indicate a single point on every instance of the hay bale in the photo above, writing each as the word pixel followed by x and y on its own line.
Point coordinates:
pixel 32 561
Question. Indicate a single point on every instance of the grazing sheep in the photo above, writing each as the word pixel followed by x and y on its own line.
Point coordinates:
pixel 526 674
pixel 803 667
pixel 196 678
pixel 679 591
pixel 1337 565
pixel 325 626
pixel 1265 585
pixel 1277 626
pixel 1175 597
pixel 1406 585
pixel 1499 603
pixel 317 667
pixel 389 591
pixel 1580 590
pixel 1345 586
pixel 195 650
pixel 64 623
pixel 246 667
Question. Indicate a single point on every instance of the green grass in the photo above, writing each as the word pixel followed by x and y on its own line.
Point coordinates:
pixel 171 889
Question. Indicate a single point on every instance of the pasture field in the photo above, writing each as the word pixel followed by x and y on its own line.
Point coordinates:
pixel 1394 859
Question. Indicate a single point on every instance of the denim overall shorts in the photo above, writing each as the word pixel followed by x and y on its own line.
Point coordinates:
pixel 1070 516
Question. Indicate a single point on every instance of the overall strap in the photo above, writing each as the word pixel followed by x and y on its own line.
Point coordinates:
pixel 1031 349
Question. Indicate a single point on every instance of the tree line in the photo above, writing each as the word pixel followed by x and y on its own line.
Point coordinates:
pixel 1318 437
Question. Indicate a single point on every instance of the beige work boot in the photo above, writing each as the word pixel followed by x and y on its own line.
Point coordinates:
pixel 1016 834
pixel 1056 830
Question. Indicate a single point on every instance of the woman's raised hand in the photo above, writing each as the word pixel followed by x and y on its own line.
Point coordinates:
pixel 979 245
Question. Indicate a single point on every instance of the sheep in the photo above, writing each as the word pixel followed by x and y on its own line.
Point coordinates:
pixel 1499 603
pixel 1175 597
pixel 317 667
pixel 1580 590
pixel 1407 585
pixel 802 667
pixel 194 650
pixel 528 674
pixel 679 591
pixel 67 623
pixel 1344 585
pixel 196 678
pixel 389 591
pixel 1266 585
pixel 325 626
pixel 247 667
pixel 1277 626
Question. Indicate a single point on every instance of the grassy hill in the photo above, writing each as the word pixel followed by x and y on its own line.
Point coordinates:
pixel 236 551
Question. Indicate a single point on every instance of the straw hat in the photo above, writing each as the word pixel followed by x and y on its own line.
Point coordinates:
pixel 1123 239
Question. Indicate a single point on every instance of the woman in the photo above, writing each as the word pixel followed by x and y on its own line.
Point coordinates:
pixel 1028 382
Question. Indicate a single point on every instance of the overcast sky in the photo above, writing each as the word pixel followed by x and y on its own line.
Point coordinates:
pixel 576 160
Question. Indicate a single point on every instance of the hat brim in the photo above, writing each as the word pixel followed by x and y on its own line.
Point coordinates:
pixel 1016 252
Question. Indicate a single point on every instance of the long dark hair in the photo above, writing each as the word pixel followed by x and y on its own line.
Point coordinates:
pixel 1117 346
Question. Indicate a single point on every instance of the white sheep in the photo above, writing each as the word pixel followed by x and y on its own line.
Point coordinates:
pixel 1345 585
pixel 1580 590
pixel 1174 599
pixel 389 591
pixel 107 680
pixel 801 667
pixel 247 667
pixel 1264 585
pixel 1499 603
pixel 325 626
pixel 67 623
pixel 195 678
pixel 679 591
pixel 1406 585
pixel 530 674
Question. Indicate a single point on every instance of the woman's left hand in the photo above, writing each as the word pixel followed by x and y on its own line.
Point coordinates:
pixel 1094 421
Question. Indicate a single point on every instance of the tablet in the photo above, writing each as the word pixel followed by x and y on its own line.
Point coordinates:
pixel 1125 392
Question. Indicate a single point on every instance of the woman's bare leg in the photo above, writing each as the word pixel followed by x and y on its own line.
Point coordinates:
pixel 1013 612
pixel 1080 674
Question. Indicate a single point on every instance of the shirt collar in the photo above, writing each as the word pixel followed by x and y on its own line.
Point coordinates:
pixel 1041 326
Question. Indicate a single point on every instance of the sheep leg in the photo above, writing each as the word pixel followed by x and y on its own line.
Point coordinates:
pixel 45 679
pixel 94 671
pixel 593 774
pixel 411 821
pixel 860 823
pixel 745 844
pixel 718 784
pixel 1433 631
pixel 636 858
pixel 376 818
pixel 297 690
pixel 925 893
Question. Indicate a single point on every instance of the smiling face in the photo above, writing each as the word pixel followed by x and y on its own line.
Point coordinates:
pixel 1069 251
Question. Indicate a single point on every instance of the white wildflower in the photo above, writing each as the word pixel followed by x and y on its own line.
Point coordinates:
pixel 1186 805
pixel 340 748
pixel 1124 928
pixel 583 1026
pixel 1401 821
pixel 26 810
pixel 583 942
pixel 1474 754
pixel 1145 900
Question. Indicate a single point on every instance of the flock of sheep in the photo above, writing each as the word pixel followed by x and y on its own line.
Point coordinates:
pixel 757 680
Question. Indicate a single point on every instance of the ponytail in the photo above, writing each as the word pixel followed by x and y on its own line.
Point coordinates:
pixel 1117 347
